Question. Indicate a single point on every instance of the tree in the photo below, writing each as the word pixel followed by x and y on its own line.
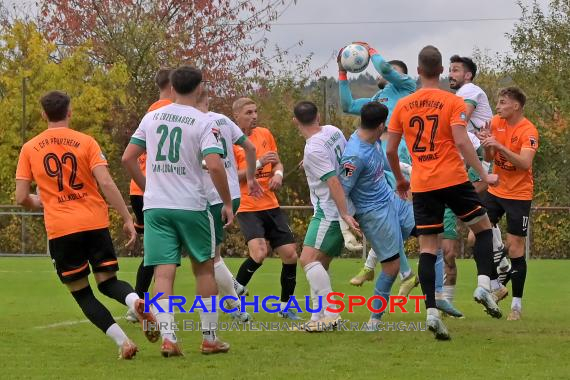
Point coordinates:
pixel 28 66
pixel 223 37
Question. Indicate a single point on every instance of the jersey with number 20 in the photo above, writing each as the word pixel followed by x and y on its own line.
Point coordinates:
pixel 176 138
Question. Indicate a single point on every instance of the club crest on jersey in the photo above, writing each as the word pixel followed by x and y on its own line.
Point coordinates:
pixel 348 169
pixel 216 133
pixel 532 141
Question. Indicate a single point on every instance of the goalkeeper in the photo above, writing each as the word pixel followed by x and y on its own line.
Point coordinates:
pixel 393 84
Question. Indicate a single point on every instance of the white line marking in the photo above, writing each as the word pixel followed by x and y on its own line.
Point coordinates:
pixel 67 323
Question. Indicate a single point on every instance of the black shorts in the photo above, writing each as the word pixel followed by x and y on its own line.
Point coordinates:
pixel 272 225
pixel 137 205
pixel 72 254
pixel 429 207
pixel 518 212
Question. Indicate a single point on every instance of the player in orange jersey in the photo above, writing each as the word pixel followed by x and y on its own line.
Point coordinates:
pixel 67 166
pixel 433 122
pixel 261 218
pixel 512 144
pixel 144 274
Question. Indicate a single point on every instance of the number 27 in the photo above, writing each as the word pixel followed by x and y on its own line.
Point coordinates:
pixel 419 121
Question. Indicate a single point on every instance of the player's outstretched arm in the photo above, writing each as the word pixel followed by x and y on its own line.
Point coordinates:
pixel 130 162
pixel 24 198
pixel 219 179
pixel 115 199
pixel 348 104
pixel 469 154
pixel 385 69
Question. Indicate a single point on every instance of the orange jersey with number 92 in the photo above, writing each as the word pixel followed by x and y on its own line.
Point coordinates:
pixel 61 161
pixel 425 119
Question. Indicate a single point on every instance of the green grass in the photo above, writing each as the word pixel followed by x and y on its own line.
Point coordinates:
pixel 481 348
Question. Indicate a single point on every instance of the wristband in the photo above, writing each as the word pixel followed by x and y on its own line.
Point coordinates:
pixel 342 75
pixel 258 165
pixel 279 172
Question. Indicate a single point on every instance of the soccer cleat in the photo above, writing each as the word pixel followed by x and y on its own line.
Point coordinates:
pixel 128 350
pixel 514 315
pixel 372 325
pixel 408 284
pixel 238 316
pixel 436 326
pixel 447 307
pixel 485 298
pixel 148 322
pixel 131 316
pixel 365 274
pixel 169 349
pixel 290 314
pixel 240 289
pixel 500 294
pixel 214 347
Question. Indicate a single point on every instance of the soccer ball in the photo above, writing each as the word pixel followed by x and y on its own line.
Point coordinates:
pixel 354 58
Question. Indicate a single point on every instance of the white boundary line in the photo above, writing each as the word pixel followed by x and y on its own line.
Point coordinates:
pixel 68 323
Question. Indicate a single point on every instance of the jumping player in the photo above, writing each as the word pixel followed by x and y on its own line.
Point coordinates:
pixel 434 124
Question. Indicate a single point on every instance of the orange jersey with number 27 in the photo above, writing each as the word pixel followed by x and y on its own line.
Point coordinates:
pixel 425 119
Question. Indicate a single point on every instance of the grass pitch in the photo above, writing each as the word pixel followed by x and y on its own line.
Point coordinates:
pixel 43 334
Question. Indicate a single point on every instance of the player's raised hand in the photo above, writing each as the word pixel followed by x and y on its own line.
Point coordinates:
pixel 492 179
pixel 339 55
pixel 254 188
pixel 227 214
pixel 402 188
pixel 130 232
pixel 371 51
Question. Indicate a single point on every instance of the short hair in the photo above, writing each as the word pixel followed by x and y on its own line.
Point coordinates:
pixel 429 60
pixel 514 93
pixel 162 78
pixel 400 64
pixel 306 112
pixel 185 79
pixel 240 103
pixel 55 105
pixel 467 62
pixel 372 115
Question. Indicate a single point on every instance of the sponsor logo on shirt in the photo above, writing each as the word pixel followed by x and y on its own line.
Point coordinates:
pixel 348 169
pixel 532 141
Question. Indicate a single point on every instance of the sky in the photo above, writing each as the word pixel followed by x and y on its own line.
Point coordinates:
pixel 396 40
pixel 396 28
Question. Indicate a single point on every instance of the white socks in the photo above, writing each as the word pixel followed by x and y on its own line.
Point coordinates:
pixel 516 304
pixel 371 260
pixel 484 282
pixel 130 300
pixel 225 281
pixel 495 285
pixel 209 320
pixel 320 283
pixel 117 334
pixel 449 292
pixel 165 320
